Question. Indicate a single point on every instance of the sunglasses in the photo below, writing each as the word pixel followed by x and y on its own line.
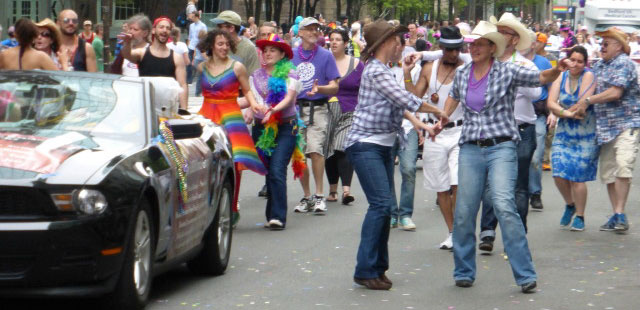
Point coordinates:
pixel 605 44
pixel 70 20
pixel 45 34
pixel 451 49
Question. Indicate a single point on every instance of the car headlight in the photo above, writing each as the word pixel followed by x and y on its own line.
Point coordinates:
pixel 89 201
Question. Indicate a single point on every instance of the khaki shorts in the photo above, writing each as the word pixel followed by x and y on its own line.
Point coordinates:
pixel 315 135
pixel 618 157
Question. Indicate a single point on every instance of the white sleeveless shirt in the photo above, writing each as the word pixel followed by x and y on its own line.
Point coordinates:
pixel 443 92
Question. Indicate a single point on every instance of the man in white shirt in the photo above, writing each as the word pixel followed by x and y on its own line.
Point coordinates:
pixel 193 40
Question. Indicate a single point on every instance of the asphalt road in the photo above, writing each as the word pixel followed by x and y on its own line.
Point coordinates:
pixel 310 264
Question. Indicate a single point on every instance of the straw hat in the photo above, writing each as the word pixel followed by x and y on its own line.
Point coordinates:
pixel 617 35
pixel 489 31
pixel 56 36
pixel 509 20
pixel 376 33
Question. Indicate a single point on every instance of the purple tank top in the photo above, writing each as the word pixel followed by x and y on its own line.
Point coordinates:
pixel 476 91
pixel 348 89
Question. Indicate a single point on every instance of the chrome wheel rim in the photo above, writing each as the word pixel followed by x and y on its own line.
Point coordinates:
pixel 224 224
pixel 142 253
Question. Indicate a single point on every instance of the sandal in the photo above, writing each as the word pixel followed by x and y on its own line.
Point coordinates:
pixel 333 197
pixel 347 198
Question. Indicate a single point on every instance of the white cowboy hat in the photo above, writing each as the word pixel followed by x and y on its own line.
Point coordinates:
pixel 489 31
pixel 508 20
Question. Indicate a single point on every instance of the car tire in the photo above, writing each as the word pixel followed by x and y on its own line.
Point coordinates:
pixel 134 284
pixel 214 257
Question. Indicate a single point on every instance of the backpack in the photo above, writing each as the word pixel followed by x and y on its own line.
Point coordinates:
pixel 181 20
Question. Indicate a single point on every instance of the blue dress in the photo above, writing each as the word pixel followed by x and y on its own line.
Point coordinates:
pixel 574 151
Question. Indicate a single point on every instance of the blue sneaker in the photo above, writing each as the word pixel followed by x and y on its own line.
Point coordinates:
pixel 578 224
pixel 621 223
pixel 610 224
pixel 569 211
pixel 394 222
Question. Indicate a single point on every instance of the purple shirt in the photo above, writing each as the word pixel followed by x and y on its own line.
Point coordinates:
pixel 260 79
pixel 322 67
pixel 349 87
pixel 475 91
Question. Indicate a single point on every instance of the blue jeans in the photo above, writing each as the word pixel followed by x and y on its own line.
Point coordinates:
pixel 535 170
pixel 494 167
pixel 198 78
pixel 277 174
pixel 374 166
pixel 525 149
pixel 190 67
pixel 407 158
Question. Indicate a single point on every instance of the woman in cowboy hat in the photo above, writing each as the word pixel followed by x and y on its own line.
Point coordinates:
pixel 48 41
pixel 486 88
pixel 377 120
pixel 275 129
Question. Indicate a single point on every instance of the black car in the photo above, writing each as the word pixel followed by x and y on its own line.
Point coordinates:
pixel 95 199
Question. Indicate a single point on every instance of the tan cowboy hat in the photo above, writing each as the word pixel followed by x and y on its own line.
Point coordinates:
pixel 489 31
pixel 376 33
pixel 56 36
pixel 617 35
pixel 509 20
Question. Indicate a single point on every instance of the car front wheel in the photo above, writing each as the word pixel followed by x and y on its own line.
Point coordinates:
pixel 132 289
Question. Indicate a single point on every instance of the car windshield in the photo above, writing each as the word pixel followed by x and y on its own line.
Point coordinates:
pixel 80 107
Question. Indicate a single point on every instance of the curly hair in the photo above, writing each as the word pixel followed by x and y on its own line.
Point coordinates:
pixel 209 41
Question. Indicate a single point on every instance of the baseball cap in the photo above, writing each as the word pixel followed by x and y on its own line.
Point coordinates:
pixel 308 22
pixel 228 16
pixel 87 22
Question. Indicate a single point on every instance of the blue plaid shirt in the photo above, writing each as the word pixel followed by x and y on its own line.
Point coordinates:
pixel 496 118
pixel 614 117
pixel 381 104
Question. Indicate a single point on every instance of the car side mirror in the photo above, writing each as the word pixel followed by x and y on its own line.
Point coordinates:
pixel 184 129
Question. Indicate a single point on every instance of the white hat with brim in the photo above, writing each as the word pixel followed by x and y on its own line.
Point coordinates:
pixel 489 31
pixel 509 20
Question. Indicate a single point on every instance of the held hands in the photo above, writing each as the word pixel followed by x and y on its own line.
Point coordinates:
pixel 578 110
pixel 410 61
pixel 314 89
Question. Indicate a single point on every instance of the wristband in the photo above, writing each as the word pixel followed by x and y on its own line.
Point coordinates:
pixel 407 81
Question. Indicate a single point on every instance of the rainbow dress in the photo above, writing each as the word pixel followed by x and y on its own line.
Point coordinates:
pixel 221 106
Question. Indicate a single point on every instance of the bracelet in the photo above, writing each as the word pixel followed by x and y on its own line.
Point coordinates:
pixel 407 81
pixel 562 112
pixel 588 101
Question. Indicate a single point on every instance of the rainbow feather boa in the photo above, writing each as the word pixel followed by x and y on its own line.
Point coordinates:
pixel 277 86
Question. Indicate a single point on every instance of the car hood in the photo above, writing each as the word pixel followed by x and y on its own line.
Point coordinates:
pixel 69 164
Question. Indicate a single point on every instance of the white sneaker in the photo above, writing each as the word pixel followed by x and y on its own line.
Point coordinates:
pixel 319 207
pixel 407 224
pixel 276 225
pixel 447 244
pixel 303 206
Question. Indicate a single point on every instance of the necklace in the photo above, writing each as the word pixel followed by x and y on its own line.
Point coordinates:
pixel 572 86
pixel 435 98
pixel 307 59
pixel 475 84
